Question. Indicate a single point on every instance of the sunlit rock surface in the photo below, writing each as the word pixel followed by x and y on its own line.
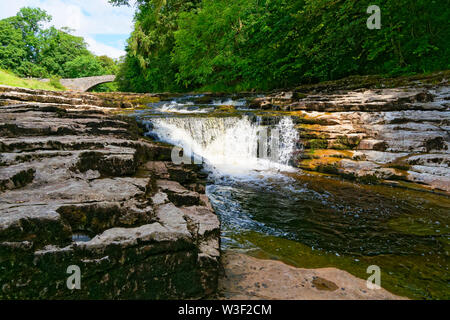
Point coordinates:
pixel 79 186
pixel 366 132
pixel 248 278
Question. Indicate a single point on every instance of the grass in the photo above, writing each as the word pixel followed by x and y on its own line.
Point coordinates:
pixel 9 79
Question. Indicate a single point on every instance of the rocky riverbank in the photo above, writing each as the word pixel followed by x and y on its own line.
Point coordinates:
pixel 75 100
pixel 80 186
pixel 372 129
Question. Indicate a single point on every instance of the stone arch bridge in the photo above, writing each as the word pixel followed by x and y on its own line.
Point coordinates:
pixel 84 84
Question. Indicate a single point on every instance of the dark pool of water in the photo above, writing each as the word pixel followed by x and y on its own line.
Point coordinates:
pixel 347 225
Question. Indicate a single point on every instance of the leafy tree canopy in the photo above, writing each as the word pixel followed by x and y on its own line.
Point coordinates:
pixel 265 44
pixel 30 50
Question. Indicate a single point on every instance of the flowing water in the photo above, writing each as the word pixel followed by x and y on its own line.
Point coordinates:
pixel 272 210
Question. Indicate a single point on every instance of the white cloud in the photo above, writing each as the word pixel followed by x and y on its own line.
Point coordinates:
pixel 86 17
pixel 102 49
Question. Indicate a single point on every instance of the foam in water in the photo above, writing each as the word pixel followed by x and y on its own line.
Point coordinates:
pixel 231 145
pixel 184 107
pixel 177 107
pixel 229 102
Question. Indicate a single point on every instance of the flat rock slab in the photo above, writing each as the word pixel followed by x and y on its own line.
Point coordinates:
pixel 247 278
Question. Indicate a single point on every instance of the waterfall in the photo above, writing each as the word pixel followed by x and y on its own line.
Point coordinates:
pixel 231 145
pixel 288 140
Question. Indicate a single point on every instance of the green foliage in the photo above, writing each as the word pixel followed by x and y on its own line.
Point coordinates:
pixel 83 66
pixel 30 50
pixel 265 44
pixel 30 21
pixel 207 44
pixel 317 144
pixel 60 48
pixel 106 87
pixel 55 82
pixel 149 66
pixel 12 52
pixel 109 65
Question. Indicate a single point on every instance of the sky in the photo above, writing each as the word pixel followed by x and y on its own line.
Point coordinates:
pixel 105 28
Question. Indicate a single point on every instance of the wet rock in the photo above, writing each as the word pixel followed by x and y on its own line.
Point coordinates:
pixel 370 100
pixel 18 180
pixel 436 144
pixel 74 100
pixel 158 168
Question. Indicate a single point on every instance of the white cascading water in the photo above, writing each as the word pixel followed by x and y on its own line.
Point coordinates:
pixel 231 145
pixel 183 107
pixel 240 154
pixel 288 139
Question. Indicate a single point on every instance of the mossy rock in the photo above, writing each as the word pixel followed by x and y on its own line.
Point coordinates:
pixel 317 144
pixel 346 142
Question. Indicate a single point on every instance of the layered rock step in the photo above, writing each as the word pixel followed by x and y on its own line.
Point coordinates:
pixel 75 100
pixel 80 187
pixel 369 134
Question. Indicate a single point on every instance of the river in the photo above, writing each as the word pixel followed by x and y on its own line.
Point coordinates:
pixel 270 209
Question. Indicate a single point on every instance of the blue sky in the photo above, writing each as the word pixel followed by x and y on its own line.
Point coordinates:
pixel 104 27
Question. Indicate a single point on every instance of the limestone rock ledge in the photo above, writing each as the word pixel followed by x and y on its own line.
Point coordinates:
pixel 81 187
pixel 371 132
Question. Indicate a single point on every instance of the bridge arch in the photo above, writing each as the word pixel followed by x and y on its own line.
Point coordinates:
pixel 86 83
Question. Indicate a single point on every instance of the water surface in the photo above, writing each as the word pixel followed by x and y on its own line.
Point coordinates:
pixel 273 210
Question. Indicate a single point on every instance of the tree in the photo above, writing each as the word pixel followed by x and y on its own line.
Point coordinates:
pixel 83 66
pixel 29 49
pixel 151 44
pixel 266 44
pixel 108 64
pixel 12 48
pixel 30 21
pixel 59 48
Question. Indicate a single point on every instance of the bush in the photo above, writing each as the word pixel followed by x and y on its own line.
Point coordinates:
pixel 55 82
